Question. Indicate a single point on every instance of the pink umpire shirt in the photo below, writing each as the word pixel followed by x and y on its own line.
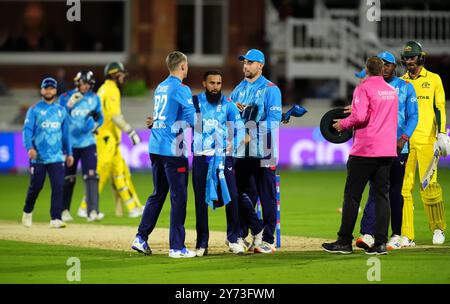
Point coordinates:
pixel 374 119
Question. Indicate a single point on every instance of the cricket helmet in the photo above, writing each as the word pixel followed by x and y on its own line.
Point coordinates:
pixel 410 49
pixel 113 68
pixel 84 76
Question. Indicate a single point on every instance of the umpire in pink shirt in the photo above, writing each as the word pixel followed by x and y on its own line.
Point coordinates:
pixel 374 121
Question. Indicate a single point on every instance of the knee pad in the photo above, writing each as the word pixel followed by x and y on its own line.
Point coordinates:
pixel 436 216
pixel 432 194
pixel 122 189
pixel 434 206
pixel 119 182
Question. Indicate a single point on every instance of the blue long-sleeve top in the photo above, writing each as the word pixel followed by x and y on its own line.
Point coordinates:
pixel 408 114
pixel 81 120
pixel 46 129
pixel 173 113
pixel 266 96
pixel 214 178
pixel 215 123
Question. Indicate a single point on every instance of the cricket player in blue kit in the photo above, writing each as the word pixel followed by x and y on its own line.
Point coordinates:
pixel 85 116
pixel 214 132
pixel 173 112
pixel 407 122
pixel 259 100
pixel 46 139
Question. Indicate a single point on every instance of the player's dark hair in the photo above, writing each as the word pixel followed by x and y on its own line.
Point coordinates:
pixel 374 66
pixel 211 72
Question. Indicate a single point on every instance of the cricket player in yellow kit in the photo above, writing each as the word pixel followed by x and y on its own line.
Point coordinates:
pixel 430 128
pixel 110 160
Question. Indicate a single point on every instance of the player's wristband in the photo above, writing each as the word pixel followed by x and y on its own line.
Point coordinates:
pixel 405 137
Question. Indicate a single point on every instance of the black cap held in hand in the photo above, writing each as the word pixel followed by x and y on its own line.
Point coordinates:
pixel 329 132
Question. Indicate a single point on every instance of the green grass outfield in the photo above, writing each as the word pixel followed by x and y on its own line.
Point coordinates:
pixel 308 208
pixel 30 263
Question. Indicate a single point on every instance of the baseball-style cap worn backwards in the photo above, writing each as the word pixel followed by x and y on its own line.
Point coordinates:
pixel 385 56
pixel 49 82
pixel 253 55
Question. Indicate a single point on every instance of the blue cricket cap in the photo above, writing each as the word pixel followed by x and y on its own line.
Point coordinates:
pixel 253 55
pixel 385 56
pixel 49 82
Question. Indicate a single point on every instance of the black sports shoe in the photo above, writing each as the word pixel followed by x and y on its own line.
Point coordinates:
pixel 337 247
pixel 377 249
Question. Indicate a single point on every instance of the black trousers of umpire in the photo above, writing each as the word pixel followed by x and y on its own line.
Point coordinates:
pixel 361 170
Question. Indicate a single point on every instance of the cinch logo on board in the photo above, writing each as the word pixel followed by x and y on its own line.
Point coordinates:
pixel 50 124
pixel 307 152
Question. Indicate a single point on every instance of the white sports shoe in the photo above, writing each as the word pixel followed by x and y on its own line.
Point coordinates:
pixel 394 243
pixel 94 216
pixel 265 248
pixel 236 248
pixel 57 224
pixel 141 246
pixel 27 219
pixel 438 237
pixel 257 241
pixel 82 212
pixel 243 242
pixel 135 212
pixel 365 241
pixel 65 216
pixel 183 253
pixel 201 252
pixel 406 242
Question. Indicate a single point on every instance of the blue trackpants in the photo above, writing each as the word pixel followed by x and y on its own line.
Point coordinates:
pixel 265 181
pixel 170 173
pixel 37 178
pixel 200 172
pixel 88 157
pixel 395 197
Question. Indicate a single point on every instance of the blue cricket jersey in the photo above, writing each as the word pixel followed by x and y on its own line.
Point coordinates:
pixel 173 113
pixel 81 122
pixel 46 130
pixel 218 121
pixel 407 108
pixel 267 97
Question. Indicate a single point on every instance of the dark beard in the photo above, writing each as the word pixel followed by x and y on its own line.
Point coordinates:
pixel 213 98
pixel 48 99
